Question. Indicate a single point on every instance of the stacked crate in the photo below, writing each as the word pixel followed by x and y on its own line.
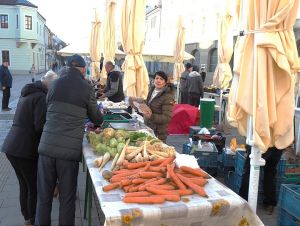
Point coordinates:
pixel 207 159
pixel 289 205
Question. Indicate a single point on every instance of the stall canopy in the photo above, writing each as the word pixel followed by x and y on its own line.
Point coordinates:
pixel 162 51
pixel 223 74
pixel 95 47
pixel 109 36
pixel 179 50
pixel 261 100
pixel 136 79
pixel 80 48
pixel 267 61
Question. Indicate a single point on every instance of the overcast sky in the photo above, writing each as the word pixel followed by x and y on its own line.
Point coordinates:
pixel 71 20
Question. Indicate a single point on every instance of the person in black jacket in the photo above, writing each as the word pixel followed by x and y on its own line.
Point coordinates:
pixel 69 101
pixel 6 84
pixel 183 83
pixel 21 142
pixel 114 85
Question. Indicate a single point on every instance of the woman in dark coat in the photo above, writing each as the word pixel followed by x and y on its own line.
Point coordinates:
pixel 160 100
pixel 21 142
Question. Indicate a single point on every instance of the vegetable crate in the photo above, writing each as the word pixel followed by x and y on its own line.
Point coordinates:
pixel 285 219
pixel 205 159
pixel 240 160
pixel 229 179
pixel 228 160
pixel 289 199
pixel 237 183
pixel 195 129
pixel 290 172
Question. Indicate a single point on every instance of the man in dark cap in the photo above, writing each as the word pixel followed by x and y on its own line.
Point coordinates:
pixel 69 101
pixel 183 83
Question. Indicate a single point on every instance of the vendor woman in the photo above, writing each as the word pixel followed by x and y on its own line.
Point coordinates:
pixel 160 101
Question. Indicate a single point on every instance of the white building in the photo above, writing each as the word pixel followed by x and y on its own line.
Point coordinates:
pixel 24 38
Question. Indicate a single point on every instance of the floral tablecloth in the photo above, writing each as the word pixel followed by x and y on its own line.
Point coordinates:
pixel 222 208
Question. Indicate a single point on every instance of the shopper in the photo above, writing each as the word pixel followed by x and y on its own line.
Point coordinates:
pixel 6 84
pixel 272 157
pixel 203 74
pixel 160 102
pixel 114 85
pixel 21 142
pixel 32 73
pixel 195 87
pixel 69 101
pixel 183 83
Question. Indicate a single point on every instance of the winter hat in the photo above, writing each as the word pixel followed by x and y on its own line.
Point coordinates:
pixel 76 61
pixel 188 65
pixel 161 74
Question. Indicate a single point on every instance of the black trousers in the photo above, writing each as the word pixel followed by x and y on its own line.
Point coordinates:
pixel 49 170
pixel 272 157
pixel 194 99
pixel 26 171
pixel 184 97
pixel 5 98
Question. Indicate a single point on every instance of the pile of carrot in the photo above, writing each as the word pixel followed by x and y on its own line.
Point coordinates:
pixel 157 181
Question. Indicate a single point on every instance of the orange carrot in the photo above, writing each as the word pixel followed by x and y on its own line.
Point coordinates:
pixel 148 175
pixel 184 191
pixel 173 198
pixel 110 187
pixel 132 172
pixel 196 188
pixel 117 172
pixel 126 188
pixel 157 162
pixel 133 189
pixel 163 186
pixel 166 162
pixel 139 181
pixel 157 169
pixel 125 182
pixel 144 200
pixel 160 192
pixel 136 165
pixel 147 166
pixel 150 183
pixel 116 179
pixel 197 172
pixel 199 181
pixel 175 178
pixel 138 194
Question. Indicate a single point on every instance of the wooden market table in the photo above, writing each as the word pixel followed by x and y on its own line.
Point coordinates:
pixel 223 207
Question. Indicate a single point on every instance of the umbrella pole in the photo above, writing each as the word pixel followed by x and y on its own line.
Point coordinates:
pixel 220 110
pixel 255 163
pixel 177 92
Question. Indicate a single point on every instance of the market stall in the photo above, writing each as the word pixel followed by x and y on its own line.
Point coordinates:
pixel 221 207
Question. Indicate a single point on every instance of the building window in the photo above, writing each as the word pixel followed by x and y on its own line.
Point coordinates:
pixel 28 22
pixel 17 21
pixel 5 56
pixel 213 60
pixel 40 29
pixel 3 21
pixel 37 27
pixel 153 22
